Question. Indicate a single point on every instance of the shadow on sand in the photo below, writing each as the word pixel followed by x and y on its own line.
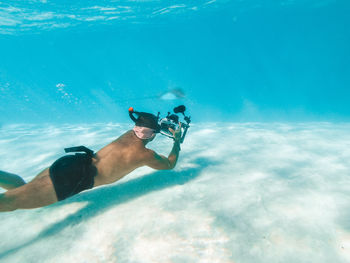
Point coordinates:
pixel 102 199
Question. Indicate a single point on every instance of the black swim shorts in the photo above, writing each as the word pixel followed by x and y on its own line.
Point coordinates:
pixel 72 174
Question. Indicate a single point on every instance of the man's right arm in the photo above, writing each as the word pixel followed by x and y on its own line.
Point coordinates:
pixel 160 162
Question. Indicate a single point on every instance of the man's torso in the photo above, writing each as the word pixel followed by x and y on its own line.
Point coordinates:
pixel 119 158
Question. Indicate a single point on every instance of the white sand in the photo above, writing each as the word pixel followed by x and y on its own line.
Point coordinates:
pixel 240 193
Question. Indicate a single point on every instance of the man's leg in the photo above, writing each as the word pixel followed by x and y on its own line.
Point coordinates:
pixel 10 181
pixel 37 193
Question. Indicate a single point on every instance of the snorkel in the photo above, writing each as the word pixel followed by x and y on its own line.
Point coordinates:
pixel 162 126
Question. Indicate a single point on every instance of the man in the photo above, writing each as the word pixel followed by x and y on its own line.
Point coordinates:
pixel 72 174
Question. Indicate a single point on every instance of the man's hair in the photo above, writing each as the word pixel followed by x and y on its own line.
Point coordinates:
pixel 147 120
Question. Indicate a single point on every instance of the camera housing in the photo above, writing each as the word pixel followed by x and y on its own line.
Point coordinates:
pixel 172 121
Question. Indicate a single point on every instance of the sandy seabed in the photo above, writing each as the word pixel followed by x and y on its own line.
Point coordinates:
pixel 241 192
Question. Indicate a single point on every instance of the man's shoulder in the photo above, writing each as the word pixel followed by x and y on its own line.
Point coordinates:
pixel 156 161
pixel 149 153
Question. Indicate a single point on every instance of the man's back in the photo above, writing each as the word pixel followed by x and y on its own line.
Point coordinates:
pixel 119 158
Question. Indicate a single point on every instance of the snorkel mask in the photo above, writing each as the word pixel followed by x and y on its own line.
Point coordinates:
pixel 150 121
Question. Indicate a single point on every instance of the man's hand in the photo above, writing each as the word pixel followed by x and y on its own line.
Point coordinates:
pixel 176 133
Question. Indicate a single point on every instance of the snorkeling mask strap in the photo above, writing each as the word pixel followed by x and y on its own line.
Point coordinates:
pixel 158 126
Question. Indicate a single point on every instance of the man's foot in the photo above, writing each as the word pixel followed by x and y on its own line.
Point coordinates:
pixel 10 181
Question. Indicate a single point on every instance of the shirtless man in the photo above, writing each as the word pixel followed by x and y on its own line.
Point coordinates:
pixel 72 174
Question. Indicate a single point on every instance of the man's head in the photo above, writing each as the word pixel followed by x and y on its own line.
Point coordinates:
pixel 146 125
pixel 147 120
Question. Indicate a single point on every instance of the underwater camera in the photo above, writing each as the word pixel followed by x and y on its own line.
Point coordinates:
pixel 162 125
pixel 172 121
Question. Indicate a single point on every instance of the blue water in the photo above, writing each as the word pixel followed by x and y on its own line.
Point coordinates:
pixel 263 175
pixel 235 60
